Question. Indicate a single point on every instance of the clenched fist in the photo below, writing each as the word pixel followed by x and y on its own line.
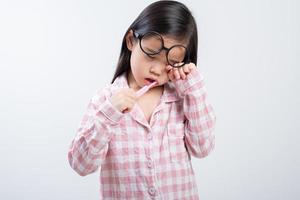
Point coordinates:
pixel 124 100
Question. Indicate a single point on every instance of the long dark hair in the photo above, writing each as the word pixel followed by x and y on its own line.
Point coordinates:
pixel 170 18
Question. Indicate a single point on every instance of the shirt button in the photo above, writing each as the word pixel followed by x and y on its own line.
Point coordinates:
pixel 150 164
pixel 151 191
pixel 149 137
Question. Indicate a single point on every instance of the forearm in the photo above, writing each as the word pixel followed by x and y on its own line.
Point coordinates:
pixel 89 148
pixel 200 116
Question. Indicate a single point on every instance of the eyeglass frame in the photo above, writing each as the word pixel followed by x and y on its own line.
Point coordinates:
pixel 140 37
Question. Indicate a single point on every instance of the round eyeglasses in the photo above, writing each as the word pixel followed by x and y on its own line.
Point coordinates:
pixel 152 43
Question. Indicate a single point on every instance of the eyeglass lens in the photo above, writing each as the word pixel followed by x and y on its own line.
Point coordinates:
pixel 152 43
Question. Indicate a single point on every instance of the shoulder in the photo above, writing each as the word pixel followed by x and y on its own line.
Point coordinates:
pixel 101 94
pixel 107 90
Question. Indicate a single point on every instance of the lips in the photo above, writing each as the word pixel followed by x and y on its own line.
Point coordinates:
pixel 150 80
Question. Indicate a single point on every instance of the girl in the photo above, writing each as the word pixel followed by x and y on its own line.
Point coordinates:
pixel 144 143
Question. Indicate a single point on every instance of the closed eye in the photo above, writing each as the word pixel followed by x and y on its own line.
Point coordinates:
pixel 152 57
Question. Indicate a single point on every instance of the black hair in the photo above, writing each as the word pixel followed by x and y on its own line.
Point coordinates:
pixel 170 18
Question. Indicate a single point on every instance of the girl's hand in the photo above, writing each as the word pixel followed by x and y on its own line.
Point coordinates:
pixel 124 100
pixel 179 73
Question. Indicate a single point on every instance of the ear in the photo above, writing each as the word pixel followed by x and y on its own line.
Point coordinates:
pixel 130 41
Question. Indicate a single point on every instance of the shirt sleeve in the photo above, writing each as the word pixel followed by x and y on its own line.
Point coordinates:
pixel 199 114
pixel 89 147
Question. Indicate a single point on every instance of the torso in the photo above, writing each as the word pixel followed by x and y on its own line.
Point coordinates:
pixel 149 101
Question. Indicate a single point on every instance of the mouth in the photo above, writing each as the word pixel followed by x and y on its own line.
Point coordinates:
pixel 149 81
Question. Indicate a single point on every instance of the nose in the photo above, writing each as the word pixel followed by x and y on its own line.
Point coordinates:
pixel 158 68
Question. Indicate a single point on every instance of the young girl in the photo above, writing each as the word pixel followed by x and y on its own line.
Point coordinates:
pixel 143 143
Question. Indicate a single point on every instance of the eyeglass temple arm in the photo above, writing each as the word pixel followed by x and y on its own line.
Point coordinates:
pixel 137 35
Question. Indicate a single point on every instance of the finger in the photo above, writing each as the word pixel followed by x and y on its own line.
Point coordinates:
pixel 126 110
pixel 129 93
pixel 176 73
pixel 124 107
pixel 186 69
pixel 169 67
pixel 171 75
pixel 171 72
pixel 192 66
pixel 128 104
pixel 132 94
pixel 129 101
pixel 182 74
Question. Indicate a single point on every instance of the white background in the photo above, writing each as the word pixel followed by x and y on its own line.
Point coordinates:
pixel 55 54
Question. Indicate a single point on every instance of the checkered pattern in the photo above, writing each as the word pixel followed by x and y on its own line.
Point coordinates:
pixel 141 160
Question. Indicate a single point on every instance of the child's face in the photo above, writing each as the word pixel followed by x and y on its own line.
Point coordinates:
pixel 144 67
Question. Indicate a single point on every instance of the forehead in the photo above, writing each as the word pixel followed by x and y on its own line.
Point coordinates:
pixel 170 41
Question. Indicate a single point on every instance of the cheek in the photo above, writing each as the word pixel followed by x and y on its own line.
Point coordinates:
pixel 165 78
pixel 136 64
pixel 137 59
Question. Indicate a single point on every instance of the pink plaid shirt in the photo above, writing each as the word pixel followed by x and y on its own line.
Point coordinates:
pixel 141 160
